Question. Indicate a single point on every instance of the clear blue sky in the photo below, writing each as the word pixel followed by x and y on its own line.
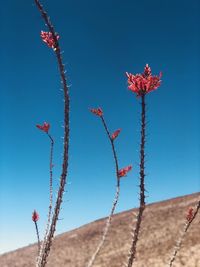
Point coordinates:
pixel 101 41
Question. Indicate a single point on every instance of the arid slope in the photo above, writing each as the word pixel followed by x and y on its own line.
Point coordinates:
pixel 161 229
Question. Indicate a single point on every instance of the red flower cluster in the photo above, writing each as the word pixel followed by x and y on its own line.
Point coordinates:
pixel 190 214
pixel 124 171
pixel 115 134
pixel 47 37
pixel 97 111
pixel 35 216
pixel 45 127
pixel 144 83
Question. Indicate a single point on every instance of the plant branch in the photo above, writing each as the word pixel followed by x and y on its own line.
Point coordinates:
pixel 136 231
pixel 50 192
pixel 109 219
pixel 42 259
pixel 180 241
pixel 38 236
pixel 50 180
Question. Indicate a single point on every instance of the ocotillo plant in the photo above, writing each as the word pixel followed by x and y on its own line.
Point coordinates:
pixel 190 216
pixel 51 39
pixel 119 173
pixel 141 84
pixel 45 128
pixel 35 218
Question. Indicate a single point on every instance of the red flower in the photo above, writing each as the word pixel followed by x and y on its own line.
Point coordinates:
pixel 190 214
pixel 124 171
pixel 45 127
pixel 143 83
pixel 115 134
pixel 147 71
pixel 97 111
pixel 35 216
pixel 47 37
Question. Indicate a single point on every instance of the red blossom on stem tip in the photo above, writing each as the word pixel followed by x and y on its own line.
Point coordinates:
pixel 97 111
pixel 190 214
pixel 45 127
pixel 115 134
pixel 144 83
pixel 47 37
pixel 35 216
pixel 147 71
pixel 124 171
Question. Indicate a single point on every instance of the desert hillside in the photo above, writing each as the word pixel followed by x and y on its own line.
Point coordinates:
pixel 161 228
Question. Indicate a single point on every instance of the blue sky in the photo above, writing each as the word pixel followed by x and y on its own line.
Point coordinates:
pixel 101 40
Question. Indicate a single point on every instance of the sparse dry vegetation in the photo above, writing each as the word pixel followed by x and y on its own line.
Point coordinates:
pixel 162 225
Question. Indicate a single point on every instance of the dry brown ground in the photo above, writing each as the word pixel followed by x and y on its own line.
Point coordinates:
pixel 161 228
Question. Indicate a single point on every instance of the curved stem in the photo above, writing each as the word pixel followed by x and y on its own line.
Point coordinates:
pixel 113 148
pixel 42 259
pixel 180 241
pixel 50 180
pixel 109 219
pixel 105 232
pixel 50 194
pixel 136 231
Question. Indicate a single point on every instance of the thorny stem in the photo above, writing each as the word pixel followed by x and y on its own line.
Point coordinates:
pixel 38 236
pixel 113 150
pixel 136 231
pixel 51 178
pixel 186 227
pixel 109 219
pixel 50 190
pixel 42 259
